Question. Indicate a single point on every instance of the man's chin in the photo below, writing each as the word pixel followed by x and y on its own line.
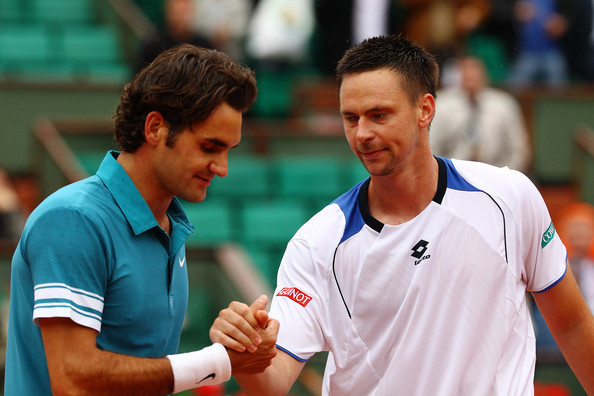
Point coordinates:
pixel 194 198
pixel 377 170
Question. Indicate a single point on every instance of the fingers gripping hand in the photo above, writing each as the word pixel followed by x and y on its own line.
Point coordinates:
pixel 238 327
pixel 258 310
pixel 256 362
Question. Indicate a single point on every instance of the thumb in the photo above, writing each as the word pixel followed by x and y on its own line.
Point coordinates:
pixel 262 318
pixel 259 304
pixel 272 326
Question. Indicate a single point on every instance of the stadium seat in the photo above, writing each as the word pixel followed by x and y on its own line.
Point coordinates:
pixel 61 11
pixel 267 260
pixel 355 173
pixel 213 223
pixel 315 180
pixel 266 228
pixel 24 43
pixel 90 160
pixel 91 44
pixel 275 91
pixel 248 179
pixel 12 11
pixel 94 53
pixel 271 223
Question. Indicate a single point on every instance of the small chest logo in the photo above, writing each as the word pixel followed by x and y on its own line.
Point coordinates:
pixel 419 251
pixel 295 294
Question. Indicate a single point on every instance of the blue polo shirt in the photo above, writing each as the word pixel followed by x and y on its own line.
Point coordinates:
pixel 93 252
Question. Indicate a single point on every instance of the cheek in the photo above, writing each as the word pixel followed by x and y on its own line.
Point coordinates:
pixel 191 158
pixel 199 164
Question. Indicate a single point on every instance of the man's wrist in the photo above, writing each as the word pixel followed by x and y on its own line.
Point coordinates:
pixel 208 366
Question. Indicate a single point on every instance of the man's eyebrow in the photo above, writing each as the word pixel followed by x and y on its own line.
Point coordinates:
pixel 219 143
pixel 372 110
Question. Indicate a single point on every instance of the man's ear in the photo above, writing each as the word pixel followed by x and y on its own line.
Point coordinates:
pixel 155 128
pixel 426 110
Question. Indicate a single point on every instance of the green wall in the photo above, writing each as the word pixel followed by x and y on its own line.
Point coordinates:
pixel 556 120
pixel 22 104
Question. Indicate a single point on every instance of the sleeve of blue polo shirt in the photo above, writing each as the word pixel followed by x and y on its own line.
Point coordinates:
pixel 66 254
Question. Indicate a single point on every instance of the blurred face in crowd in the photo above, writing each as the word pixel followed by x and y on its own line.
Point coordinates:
pixel 580 236
pixel 179 15
pixel 473 75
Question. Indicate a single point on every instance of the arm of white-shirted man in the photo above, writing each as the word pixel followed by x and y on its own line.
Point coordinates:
pixel 572 325
pixel 277 379
pixel 236 328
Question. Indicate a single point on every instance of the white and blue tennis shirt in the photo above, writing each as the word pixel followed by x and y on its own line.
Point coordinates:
pixel 434 306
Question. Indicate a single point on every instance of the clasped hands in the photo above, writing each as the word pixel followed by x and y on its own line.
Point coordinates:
pixel 249 335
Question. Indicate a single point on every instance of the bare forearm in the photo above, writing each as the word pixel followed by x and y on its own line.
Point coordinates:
pixel 578 348
pixel 277 379
pixel 107 373
pixel 572 325
pixel 267 383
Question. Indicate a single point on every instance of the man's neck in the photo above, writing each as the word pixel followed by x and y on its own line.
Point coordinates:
pixel 397 198
pixel 140 173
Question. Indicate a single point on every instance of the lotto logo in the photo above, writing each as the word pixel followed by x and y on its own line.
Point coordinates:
pixel 295 294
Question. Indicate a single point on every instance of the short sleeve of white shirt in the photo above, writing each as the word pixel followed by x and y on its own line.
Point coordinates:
pixel 545 260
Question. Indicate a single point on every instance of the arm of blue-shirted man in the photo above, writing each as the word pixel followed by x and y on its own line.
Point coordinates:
pixel 572 325
pixel 77 366
pixel 235 328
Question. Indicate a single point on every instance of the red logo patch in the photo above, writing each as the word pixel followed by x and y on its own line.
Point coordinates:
pixel 295 294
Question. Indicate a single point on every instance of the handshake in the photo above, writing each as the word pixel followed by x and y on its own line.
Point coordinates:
pixel 244 344
pixel 242 328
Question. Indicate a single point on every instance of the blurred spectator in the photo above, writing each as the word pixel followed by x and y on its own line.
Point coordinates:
pixel 443 26
pixel 11 213
pixel 178 28
pixel 474 121
pixel 539 58
pixel 576 229
pixel 224 23
pixel 277 47
pixel 153 9
pixel 578 42
pixel 500 24
pixel 342 23
pixel 279 32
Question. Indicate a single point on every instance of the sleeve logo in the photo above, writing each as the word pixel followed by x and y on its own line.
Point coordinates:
pixel 295 294
pixel 547 236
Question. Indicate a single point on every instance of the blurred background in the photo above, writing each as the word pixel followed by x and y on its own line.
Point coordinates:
pixel 63 64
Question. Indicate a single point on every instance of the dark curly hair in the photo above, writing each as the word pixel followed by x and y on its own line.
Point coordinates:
pixel 185 84
pixel 418 68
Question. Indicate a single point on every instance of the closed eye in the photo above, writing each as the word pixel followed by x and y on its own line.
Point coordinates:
pixel 350 118
pixel 214 145
pixel 210 148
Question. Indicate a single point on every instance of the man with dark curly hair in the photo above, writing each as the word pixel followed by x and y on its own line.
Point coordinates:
pixel 99 288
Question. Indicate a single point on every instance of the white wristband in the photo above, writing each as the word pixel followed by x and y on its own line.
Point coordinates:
pixel 208 366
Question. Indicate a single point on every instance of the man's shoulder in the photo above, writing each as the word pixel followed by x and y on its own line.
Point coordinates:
pixel 502 182
pixel 84 196
pixel 339 218
pixel 479 172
